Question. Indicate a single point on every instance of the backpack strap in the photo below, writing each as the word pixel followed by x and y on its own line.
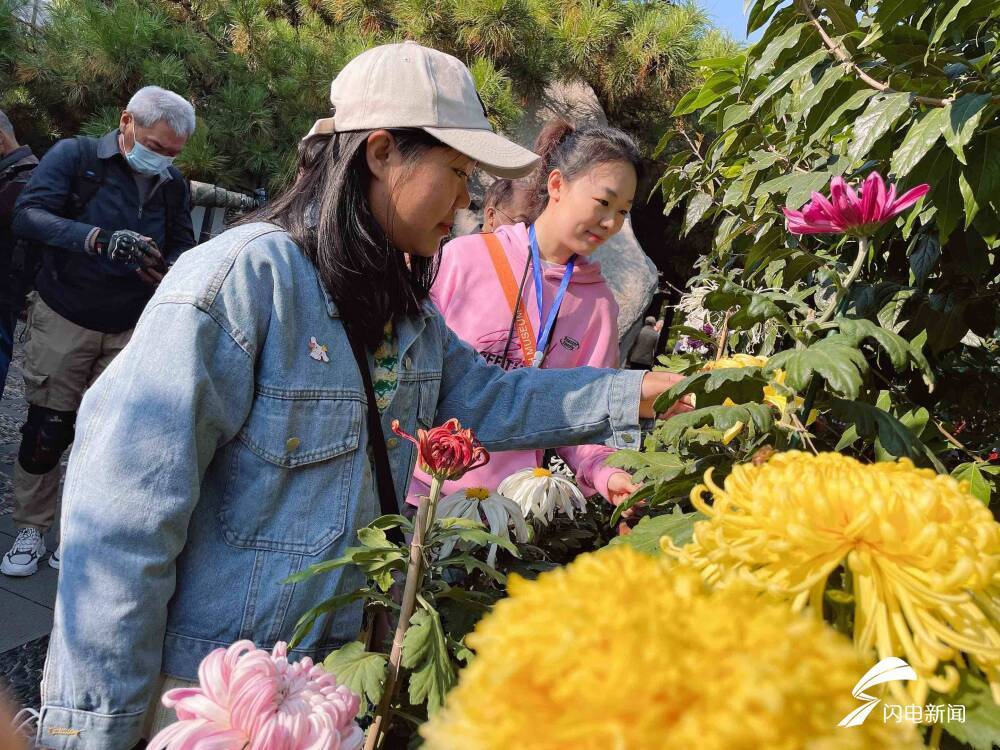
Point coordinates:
pixel 88 177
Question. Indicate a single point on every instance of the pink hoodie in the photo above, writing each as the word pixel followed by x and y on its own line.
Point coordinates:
pixel 469 296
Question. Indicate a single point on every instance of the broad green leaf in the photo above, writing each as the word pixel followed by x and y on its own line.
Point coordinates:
pixel 663 143
pixel 963 119
pixel 855 331
pixel 843 18
pixel 798 186
pixel 878 118
pixel 979 183
pixel 717 84
pixel 741 384
pixel 793 72
pixel 857 99
pixel 787 40
pixel 734 115
pixel 759 12
pixel 924 257
pixel 919 139
pixel 872 422
pixel 732 62
pixel 425 654
pixel 815 93
pixel 467 530
pixel 648 466
pixel 361 671
pixel 954 8
pixel 940 169
pixel 980 487
pixel 700 203
pixel 980 726
pixel 646 535
pixel 756 418
pixel 837 362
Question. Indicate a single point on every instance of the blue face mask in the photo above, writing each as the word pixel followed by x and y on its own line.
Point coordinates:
pixel 146 161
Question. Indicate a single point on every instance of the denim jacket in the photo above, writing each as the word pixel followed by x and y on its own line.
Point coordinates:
pixel 214 458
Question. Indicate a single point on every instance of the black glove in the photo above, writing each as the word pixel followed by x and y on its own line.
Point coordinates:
pixel 127 248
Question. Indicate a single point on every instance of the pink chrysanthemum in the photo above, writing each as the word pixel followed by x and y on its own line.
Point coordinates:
pixel 251 699
pixel 847 212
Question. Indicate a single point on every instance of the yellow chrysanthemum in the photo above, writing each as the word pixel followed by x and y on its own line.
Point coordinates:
pixel 624 650
pixel 922 552
pixel 737 360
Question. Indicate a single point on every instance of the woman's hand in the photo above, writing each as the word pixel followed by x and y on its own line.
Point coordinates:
pixel 655 383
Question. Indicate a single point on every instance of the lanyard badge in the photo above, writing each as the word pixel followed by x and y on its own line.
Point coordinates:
pixel 549 323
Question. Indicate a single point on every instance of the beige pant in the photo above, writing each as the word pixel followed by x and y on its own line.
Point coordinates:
pixel 159 717
pixel 61 359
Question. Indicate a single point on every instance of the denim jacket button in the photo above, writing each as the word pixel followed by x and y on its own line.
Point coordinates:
pixel 292 443
pixel 627 438
pixel 407 363
pixel 392 442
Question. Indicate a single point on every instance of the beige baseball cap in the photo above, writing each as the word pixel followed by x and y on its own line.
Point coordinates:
pixel 407 85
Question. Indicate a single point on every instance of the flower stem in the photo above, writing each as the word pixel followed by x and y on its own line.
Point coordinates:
pixel 411 589
pixel 849 281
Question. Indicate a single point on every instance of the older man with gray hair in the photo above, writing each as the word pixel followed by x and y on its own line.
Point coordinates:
pixel 110 216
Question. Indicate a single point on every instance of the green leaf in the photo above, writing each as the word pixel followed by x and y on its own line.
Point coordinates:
pixel 871 422
pixel 836 361
pixel 765 62
pixel 963 119
pixel 714 88
pixel 815 93
pixel 924 257
pixel 647 466
pixel 857 330
pixel 843 18
pixel 468 531
pixel 979 183
pixel 919 139
pixel 980 487
pixel 646 535
pixel 780 83
pixel 306 622
pixel 734 115
pixel 798 186
pixel 759 12
pixel 981 727
pixel 941 170
pixel 361 671
pixel 425 654
pixel 470 564
pixel 856 100
pixel 756 418
pixel 954 7
pixel 741 384
pixel 700 203
pixel 879 116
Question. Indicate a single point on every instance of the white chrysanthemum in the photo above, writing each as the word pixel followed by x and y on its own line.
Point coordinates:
pixel 541 493
pixel 477 504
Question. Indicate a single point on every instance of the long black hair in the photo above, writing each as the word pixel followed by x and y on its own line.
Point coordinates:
pixel 326 213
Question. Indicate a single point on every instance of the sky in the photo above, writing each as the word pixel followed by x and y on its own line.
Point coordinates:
pixel 729 15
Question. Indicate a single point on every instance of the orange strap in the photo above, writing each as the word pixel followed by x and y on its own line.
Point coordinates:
pixel 522 325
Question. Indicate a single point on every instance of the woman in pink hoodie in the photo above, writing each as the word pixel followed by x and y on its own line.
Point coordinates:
pixel 582 194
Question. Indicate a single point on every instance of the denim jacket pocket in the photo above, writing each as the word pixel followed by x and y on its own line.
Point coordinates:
pixel 291 471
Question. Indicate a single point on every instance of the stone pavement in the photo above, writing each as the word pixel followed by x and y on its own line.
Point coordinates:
pixel 25 603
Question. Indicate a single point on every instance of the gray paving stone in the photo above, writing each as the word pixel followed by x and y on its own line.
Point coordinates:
pixel 23 620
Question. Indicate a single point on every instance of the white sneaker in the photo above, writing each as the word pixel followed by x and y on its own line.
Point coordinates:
pixel 54 560
pixel 22 559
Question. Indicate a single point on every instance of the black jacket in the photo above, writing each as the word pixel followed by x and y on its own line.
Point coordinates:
pixel 87 290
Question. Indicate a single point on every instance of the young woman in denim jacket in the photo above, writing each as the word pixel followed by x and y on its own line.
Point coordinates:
pixel 225 448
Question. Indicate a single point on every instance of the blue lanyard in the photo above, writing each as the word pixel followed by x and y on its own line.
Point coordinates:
pixel 536 267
